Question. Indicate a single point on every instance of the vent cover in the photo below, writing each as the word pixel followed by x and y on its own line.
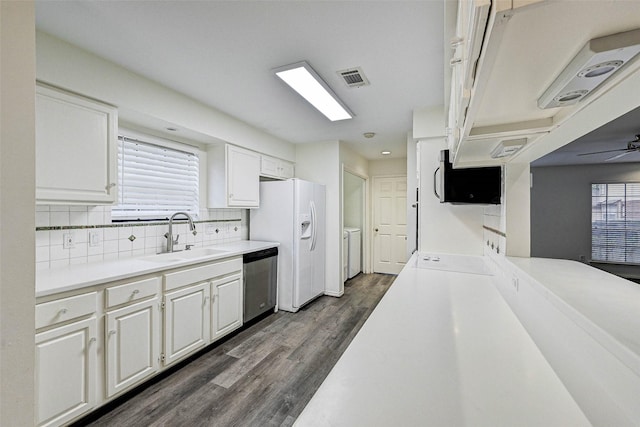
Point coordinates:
pixel 354 77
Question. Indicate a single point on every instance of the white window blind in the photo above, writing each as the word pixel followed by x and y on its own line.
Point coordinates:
pixel 615 223
pixel 155 181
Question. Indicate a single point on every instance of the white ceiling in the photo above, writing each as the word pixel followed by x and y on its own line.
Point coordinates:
pixel 221 53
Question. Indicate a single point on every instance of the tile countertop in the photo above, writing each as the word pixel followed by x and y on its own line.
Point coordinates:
pixel 73 277
pixel 604 305
pixel 442 348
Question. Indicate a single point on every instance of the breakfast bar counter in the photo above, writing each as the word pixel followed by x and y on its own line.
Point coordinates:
pixel 442 348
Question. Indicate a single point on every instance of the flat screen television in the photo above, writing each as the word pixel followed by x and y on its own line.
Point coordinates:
pixel 469 185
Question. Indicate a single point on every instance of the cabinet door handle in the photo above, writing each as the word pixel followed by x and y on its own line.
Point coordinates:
pixel 112 332
pixel 113 184
pixel 455 61
pixel 135 292
pixel 92 340
pixel 62 311
pixel 456 41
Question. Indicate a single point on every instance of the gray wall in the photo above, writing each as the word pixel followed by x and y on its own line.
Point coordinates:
pixel 561 209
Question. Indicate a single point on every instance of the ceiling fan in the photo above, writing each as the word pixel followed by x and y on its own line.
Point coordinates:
pixel 632 147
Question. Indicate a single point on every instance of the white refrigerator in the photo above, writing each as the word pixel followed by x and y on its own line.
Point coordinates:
pixel 292 212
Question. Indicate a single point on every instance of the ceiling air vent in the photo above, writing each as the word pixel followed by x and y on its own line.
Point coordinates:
pixel 354 77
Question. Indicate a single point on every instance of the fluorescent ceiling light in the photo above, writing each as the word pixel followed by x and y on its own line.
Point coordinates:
pixel 304 80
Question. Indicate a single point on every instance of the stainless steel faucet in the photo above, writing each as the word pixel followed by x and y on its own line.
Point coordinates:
pixel 170 240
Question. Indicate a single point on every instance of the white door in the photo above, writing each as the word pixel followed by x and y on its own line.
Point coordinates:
pixel 186 321
pixel 66 372
pixel 226 305
pixel 389 224
pixel 132 337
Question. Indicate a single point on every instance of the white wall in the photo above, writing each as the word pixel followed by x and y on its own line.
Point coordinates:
pixel 67 66
pixel 320 162
pixel 388 167
pixel 17 207
pixel 445 228
pixel 561 208
pixel 516 209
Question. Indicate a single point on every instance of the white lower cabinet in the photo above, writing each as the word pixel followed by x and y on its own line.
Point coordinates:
pixel 66 372
pixel 186 321
pixel 132 344
pixel 226 305
pixel 146 324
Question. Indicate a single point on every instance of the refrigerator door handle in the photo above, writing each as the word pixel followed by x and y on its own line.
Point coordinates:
pixel 313 225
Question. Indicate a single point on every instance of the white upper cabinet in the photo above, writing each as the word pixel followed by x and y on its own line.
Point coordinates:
pixel 76 149
pixel 471 21
pixel 272 167
pixel 234 177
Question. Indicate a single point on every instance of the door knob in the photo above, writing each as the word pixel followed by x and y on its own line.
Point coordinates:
pixel 375 229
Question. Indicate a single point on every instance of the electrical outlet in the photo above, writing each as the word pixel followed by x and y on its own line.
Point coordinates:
pixel 94 239
pixel 67 241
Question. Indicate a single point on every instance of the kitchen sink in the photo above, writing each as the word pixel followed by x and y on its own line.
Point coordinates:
pixel 178 256
pixel 198 253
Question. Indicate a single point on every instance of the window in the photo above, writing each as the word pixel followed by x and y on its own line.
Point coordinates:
pixel 155 180
pixel 615 223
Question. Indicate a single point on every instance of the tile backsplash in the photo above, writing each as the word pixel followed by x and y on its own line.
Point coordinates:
pixel 95 238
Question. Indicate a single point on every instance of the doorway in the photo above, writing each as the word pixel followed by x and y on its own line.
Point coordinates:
pixel 353 221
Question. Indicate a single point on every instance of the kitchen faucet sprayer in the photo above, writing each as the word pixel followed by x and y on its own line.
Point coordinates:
pixel 169 235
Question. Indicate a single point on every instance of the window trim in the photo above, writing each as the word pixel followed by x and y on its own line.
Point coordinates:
pixel 119 215
pixel 626 245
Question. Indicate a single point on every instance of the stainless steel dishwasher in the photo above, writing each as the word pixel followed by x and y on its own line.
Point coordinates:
pixel 260 282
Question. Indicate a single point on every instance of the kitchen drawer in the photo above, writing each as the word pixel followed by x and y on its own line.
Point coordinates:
pixel 131 292
pixel 62 310
pixel 201 273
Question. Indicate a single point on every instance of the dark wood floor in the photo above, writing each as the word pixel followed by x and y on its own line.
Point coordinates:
pixel 265 375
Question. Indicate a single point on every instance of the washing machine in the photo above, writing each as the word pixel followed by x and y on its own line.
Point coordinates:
pixel 354 263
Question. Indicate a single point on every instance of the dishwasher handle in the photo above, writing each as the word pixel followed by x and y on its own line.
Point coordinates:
pixel 258 255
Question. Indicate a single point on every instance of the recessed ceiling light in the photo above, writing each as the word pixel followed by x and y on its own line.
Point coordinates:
pixel 172 129
pixel 304 80
pixel 369 134
pixel 385 152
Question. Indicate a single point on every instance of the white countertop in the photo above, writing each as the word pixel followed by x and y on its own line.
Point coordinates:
pixel 442 348
pixel 606 306
pixel 75 277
